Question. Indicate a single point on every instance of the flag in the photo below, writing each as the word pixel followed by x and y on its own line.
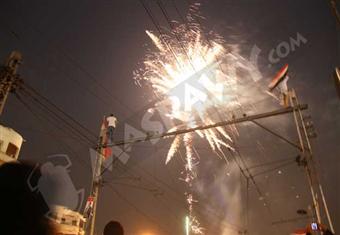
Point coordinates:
pixel 280 76
pixel 88 206
pixel 280 82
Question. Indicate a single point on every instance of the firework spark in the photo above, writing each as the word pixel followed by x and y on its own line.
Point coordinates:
pixel 192 82
pixel 194 78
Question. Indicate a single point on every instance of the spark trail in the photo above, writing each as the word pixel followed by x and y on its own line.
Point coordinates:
pixel 194 78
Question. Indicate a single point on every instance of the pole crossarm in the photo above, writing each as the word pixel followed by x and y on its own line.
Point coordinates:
pixel 245 118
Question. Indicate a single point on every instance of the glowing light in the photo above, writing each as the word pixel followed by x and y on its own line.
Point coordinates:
pixel 190 79
pixel 194 78
pixel 187 225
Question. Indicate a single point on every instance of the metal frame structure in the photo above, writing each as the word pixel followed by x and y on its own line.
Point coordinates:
pixel 304 147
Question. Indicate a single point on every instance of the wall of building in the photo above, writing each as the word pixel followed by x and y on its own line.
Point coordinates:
pixel 10 144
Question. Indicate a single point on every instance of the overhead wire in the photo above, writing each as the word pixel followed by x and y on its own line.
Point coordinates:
pixel 41 118
pixel 80 85
pixel 76 63
pixel 176 195
pixel 158 28
pixel 252 179
pixel 25 85
pixel 275 168
pixel 174 31
pixel 94 80
pixel 272 162
pixel 58 116
pixel 150 190
pixel 55 120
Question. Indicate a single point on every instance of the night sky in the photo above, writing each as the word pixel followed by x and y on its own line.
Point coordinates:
pixel 81 55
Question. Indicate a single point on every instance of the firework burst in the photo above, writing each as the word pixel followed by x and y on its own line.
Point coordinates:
pixel 194 78
pixel 189 78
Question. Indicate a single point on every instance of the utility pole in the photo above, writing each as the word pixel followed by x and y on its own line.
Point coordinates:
pixel 9 77
pixel 97 176
pixel 305 132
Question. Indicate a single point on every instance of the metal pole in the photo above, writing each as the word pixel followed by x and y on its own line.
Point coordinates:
pixel 308 171
pixel 326 209
pixel 245 118
pixel 315 171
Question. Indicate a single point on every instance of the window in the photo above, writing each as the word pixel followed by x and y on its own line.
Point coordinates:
pixel 11 150
pixel 74 222
pixel 54 216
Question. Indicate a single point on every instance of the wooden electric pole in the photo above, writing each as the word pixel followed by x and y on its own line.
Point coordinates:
pixel 9 77
pixel 97 176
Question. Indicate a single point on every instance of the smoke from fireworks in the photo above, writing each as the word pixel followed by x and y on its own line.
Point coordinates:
pixel 188 76
pixel 194 77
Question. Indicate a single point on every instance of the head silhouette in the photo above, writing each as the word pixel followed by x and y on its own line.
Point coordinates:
pixel 22 211
pixel 113 228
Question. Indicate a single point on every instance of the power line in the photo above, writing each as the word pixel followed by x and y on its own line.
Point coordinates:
pixel 181 204
pixel 154 191
pixel 148 174
pixel 173 29
pixel 57 120
pixel 177 196
pixel 275 168
pixel 41 118
pixel 58 117
pixel 272 162
pixel 157 26
pixel 93 79
pixel 81 85
pixel 60 110
pixel 204 35
pixel 75 63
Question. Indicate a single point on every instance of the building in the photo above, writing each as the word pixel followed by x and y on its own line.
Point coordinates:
pixel 67 222
pixel 10 144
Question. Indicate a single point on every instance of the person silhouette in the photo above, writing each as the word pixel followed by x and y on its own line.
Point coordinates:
pixel 22 210
pixel 111 126
pixel 113 228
